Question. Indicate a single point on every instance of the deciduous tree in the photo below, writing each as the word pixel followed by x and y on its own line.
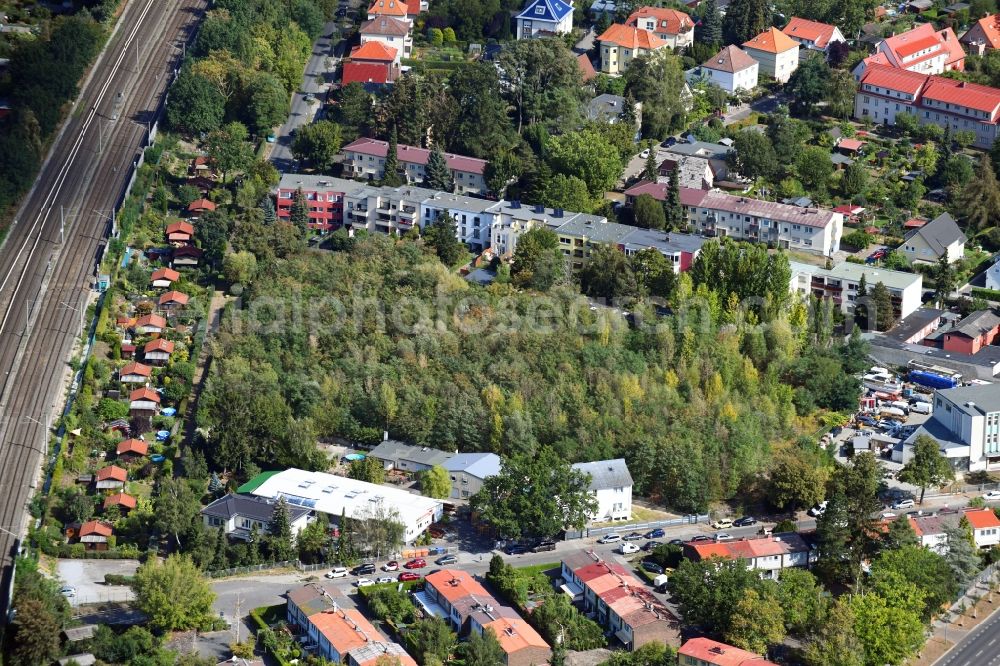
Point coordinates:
pixel 648 212
pixel 757 622
pixel 927 467
pixel 979 200
pixel 318 144
pixel 753 156
pixel 435 482
pixel 538 260
pixel 173 593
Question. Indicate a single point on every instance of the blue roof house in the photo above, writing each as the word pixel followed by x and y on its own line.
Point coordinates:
pixel 544 18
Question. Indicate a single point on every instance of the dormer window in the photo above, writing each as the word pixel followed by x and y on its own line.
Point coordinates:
pixel 540 9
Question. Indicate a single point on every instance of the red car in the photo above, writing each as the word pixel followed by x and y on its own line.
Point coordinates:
pixel 418 563
pixel 407 575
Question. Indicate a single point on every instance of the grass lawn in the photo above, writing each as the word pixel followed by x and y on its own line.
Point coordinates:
pixel 640 514
pixel 140 489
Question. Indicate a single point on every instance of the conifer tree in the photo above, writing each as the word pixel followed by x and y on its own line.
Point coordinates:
pixel 437 175
pixel 390 176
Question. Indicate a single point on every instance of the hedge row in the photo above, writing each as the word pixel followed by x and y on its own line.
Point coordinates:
pixel 987 294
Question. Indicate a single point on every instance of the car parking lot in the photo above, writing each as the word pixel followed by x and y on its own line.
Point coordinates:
pixel 86 577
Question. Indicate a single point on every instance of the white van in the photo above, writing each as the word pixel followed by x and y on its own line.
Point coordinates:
pixel 900 404
pixel 922 408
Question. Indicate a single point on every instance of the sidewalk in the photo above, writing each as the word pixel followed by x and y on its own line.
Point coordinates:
pixel 952 628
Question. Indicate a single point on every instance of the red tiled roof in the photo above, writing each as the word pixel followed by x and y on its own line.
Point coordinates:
pixel 771 40
pixel 730 59
pixel 134 368
pixel 631 38
pixel 144 393
pixel 136 446
pixel 924 37
pixel 361 72
pixel 914 223
pixel 962 93
pixel 388 8
pixel 849 209
pixel 385 25
pixel 151 320
pixel 178 297
pixel 981 518
pixel 514 634
pixel 810 217
pixel 375 51
pixel 180 227
pixel 346 629
pixel 668 21
pixel 721 654
pixel 454 585
pixel 813 31
pixel 586 67
pixel 415 155
pixel 95 527
pixel 987 27
pixel 689 196
pixel 165 274
pixel 201 204
pixel 120 499
pixel 850 144
pixel 917 45
pixel 160 345
pixel 884 76
pixel 112 472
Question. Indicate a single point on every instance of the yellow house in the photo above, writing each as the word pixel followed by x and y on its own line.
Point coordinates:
pixel 621 43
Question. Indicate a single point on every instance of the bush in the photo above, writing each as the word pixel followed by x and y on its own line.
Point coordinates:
pixel 858 239
pixel 986 294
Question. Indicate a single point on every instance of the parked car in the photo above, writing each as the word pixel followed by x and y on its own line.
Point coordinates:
pixel 991 495
pixel 337 572
pixel 391 565
pixel 650 545
pixel 628 548
pixel 818 510
pixel 67 591
pixel 888 515
pixel 408 575
pixel 383 580
pixel 363 569
pixel 416 563
pixel 544 546
pixel 745 521
pixel 517 549
pixel 644 154
pixel 658 533
pixel 868 421
pixel 632 536
pixel 652 567
pixel 700 537
pixel 903 504
pixel 610 538
pixel 364 582
pixel 723 536
pixel 722 524
pixel 676 542
pixel 447 559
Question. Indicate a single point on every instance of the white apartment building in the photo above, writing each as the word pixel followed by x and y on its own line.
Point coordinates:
pixel 813 230
pixel 474 218
pixel 611 486
pixel 840 283
pixel 365 158
pixel 966 425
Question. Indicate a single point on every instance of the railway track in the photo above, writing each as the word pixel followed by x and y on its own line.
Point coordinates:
pixel 48 262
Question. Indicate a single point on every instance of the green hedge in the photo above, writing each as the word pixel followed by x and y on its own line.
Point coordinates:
pixel 987 294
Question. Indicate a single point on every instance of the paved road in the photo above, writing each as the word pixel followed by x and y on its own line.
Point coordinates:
pixel 980 648
pixel 322 66
pixel 46 276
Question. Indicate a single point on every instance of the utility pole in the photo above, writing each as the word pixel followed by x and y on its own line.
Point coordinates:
pixel 62 225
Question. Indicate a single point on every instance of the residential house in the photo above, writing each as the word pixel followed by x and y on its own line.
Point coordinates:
pixel 618 601
pixel 460 600
pixel 199 206
pixel 123 501
pixel 966 425
pixel 924 50
pixel 841 283
pixel 473 216
pixel 768 554
pixel 186 256
pixel 967 336
pixel 692 172
pixel 131 449
pixel 157 352
pixel 162 278
pixel 338 496
pixel 672 26
pixel 396 455
pixel 586 67
pixel 172 300
pixel 620 44
pixel 392 8
pixel 608 108
pixel 144 402
pixel 777 53
pixel 939 238
pixel 813 35
pixel 94 535
pixel 706 652
pixel 390 32
pixel 985 526
pixel 336 632
pixel 982 36
pixel 993 276
pixel 930 530
pixel 151 324
pixel 611 487
pixel 731 69
pixel 134 373
pixel 885 91
pixel 180 232
pixel 812 230
pixel 241 516
pixel 468 471
pixel 371 63
pixel 544 18
pixel 365 158
pixel 111 477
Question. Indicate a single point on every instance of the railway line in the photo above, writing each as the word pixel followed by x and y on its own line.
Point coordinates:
pixel 48 262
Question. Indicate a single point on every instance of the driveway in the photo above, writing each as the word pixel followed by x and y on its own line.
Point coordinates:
pixel 586 43
pixel 318 75
pixel 87 576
